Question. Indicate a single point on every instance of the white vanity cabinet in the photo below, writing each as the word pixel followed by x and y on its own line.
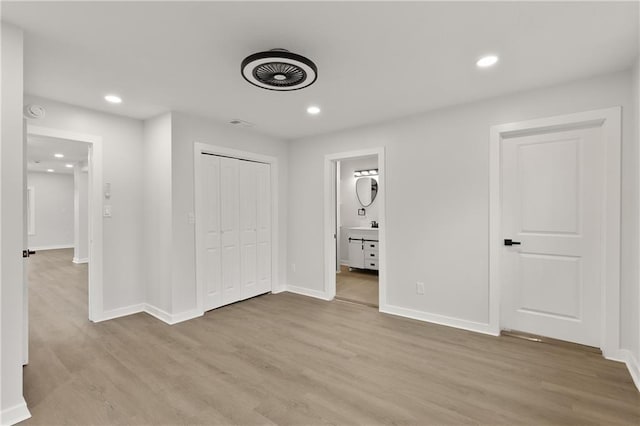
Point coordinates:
pixel 363 248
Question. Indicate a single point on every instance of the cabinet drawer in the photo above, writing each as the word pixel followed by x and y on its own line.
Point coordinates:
pixel 370 254
pixel 371 264
pixel 371 245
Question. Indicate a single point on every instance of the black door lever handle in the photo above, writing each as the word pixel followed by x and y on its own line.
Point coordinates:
pixel 509 242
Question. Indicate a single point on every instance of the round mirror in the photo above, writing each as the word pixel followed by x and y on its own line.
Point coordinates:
pixel 366 190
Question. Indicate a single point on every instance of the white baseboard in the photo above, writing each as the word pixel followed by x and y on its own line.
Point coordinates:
pixel 627 357
pixel 121 312
pixel 151 310
pixel 439 319
pixel 158 313
pixel 281 289
pixel 53 247
pixel 15 414
pixel 308 292
pixel 76 260
pixel 185 316
pixel 171 318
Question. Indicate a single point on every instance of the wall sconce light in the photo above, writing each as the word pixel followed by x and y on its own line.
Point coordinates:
pixel 367 172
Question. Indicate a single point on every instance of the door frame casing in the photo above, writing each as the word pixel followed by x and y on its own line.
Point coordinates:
pixel 329 217
pixel 95 284
pixel 203 148
pixel 609 120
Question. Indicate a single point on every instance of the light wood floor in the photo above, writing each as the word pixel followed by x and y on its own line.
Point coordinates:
pixel 292 360
pixel 358 286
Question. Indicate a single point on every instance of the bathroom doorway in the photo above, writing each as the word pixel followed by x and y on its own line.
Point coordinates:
pixel 355 223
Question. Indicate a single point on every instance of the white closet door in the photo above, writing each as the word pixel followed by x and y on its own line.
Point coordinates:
pixel 229 230
pixel 264 227
pixel 211 227
pixel 248 228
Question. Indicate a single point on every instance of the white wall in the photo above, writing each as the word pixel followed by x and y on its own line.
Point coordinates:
pixel 631 326
pixel 54 210
pixel 81 214
pixel 185 131
pixel 157 211
pixel 122 159
pixel 349 203
pixel 12 405
pixel 437 168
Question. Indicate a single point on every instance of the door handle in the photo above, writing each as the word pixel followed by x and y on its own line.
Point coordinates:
pixel 510 242
pixel 27 253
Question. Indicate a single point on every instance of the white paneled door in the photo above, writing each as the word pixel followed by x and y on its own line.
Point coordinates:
pixel 551 226
pixel 236 203
pixel 211 256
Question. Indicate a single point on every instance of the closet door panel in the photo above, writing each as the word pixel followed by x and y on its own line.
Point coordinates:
pixel 229 230
pixel 211 202
pixel 263 227
pixel 248 228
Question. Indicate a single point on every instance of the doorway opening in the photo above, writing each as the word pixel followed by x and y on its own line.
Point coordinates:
pixel 357 225
pixel 354 221
pixel 63 226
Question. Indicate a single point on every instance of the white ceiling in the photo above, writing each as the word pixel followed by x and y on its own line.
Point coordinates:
pixel 376 61
pixel 41 152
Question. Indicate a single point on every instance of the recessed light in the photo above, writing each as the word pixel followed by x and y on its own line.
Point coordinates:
pixel 58 155
pixel 69 166
pixel 113 99
pixel 313 110
pixel 487 61
pixel 50 170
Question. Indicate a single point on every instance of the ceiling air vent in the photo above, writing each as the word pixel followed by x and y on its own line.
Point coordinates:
pixel 279 69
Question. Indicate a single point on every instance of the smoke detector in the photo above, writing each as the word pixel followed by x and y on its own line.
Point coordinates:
pixel 279 69
pixel 34 111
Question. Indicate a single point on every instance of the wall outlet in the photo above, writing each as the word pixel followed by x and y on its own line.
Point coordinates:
pixel 293 267
pixel 191 218
pixel 419 288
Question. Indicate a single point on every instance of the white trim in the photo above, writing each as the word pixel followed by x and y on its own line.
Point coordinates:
pixel 157 313
pixel 31 210
pixel 121 312
pixel 51 247
pixel 169 318
pixel 203 148
pixel 632 365
pixel 150 310
pixel 478 327
pixel 15 414
pixel 610 121
pixel 84 260
pixel 329 242
pixel 317 294
pixel 95 285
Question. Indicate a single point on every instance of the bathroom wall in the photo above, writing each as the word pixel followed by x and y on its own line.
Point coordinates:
pixel 349 203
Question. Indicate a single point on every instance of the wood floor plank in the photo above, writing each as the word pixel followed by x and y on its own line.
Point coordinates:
pixel 291 360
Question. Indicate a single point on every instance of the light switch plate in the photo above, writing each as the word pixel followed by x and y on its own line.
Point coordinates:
pixel 107 211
